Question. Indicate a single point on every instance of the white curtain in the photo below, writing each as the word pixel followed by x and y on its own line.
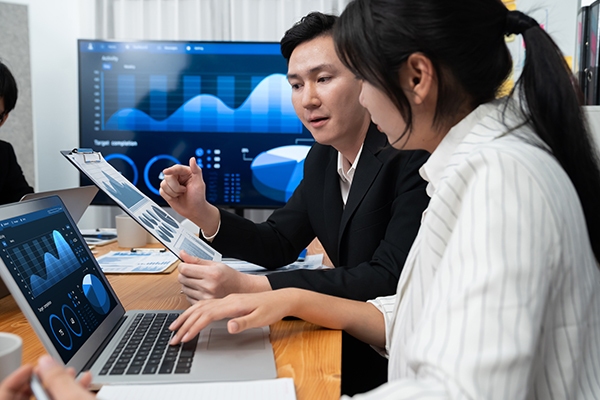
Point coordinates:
pixel 238 20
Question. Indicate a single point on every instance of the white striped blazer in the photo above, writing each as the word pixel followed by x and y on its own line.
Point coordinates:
pixel 500 294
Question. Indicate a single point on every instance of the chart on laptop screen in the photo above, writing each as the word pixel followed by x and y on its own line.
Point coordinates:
pixel 55 273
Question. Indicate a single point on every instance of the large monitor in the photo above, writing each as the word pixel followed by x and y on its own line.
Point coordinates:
pixel 149 105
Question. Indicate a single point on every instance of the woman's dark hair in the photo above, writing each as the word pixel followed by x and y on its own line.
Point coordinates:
pixel 8 88
pixel 465 42
pixel 309 27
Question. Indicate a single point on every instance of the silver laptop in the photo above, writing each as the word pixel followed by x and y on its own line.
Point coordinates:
pixel 76 199
pixel 73 309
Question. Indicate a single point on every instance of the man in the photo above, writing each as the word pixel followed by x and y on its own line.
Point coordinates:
pixel 361 198
pixel 12 182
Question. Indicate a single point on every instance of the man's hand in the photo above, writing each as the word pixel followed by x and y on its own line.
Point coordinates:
pixel 58 381
pixel 184 189
pixel 201 279
pixel 16 385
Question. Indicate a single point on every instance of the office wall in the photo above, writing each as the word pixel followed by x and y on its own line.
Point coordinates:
pixel 559 19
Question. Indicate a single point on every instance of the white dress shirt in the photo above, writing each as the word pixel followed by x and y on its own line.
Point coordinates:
pixel 346 173
pixel 500 294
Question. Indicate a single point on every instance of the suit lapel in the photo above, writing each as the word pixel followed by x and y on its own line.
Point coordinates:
pixel 366 172
pixel 333 205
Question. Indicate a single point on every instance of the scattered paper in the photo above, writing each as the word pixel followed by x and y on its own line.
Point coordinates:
pixel 313 261
pixel 139 261
pixel 271 389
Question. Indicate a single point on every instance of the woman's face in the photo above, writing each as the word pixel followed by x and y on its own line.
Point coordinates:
pixel 383 113
pixel 389 120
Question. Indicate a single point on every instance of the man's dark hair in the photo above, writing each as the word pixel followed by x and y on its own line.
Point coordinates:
pixel 8 88
pixel 309 27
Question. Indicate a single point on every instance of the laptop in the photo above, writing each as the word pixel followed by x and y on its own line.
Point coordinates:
pixel 76 199
pixel 57 283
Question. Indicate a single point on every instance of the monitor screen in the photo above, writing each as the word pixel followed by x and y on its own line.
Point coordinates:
pixel 149 105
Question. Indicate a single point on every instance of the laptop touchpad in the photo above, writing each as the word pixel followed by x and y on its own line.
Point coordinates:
pixel 220 339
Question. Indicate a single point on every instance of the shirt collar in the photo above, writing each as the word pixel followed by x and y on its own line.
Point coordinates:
pixel 433 169
pixel 347 176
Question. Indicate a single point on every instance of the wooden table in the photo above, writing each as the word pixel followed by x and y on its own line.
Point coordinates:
pixel 305 352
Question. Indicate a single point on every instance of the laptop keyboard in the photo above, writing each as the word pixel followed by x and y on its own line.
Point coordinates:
pixel 145 349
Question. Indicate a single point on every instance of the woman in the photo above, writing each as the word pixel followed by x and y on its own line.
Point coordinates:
pixel 500 293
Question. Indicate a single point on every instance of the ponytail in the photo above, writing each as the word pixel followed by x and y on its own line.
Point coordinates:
pixel 550 102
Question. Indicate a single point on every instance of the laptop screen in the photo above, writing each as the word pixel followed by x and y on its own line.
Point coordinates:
pixel 56 272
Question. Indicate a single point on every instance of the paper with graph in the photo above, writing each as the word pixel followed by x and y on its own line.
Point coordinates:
pixel 139 206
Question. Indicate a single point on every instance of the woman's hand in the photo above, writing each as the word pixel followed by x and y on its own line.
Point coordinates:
pixel 245 310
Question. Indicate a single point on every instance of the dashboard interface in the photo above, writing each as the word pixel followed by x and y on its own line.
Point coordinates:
pixel 149 105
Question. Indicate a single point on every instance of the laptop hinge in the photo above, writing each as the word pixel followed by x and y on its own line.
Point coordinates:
pixel 104 343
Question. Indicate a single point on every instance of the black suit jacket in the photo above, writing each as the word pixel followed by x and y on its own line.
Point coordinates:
pixel 367 241
pixel 12 182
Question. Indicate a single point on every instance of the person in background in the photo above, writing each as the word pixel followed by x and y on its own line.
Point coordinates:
pixel 499 296
pixel 359 196
pixel 13 184
pixel 58 381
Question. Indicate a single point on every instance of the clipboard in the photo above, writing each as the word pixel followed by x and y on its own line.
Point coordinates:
pixel 139 206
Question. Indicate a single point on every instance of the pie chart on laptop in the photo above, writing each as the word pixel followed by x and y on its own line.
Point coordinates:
pixel 277 172
pixel 96 294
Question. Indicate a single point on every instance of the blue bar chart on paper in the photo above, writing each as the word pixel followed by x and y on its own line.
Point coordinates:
pixel 149 105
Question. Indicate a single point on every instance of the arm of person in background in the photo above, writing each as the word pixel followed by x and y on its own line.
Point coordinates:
pixel 362 320
pixel 58 381
pixel 184 189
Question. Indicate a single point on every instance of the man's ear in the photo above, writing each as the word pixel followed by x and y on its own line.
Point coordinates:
pixel 417 77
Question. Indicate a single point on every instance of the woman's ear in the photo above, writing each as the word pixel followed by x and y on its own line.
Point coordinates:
pixel 417 78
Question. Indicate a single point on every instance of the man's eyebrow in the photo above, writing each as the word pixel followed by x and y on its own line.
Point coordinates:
pixel 317 68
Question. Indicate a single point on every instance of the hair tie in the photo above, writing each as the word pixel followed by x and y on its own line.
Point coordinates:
pixel 518 23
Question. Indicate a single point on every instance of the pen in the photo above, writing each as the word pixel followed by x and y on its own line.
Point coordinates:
pixel 100 236
pixel 38 390
pixel 134 249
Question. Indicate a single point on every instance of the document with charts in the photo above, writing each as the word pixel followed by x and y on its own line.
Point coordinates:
pixel 146 212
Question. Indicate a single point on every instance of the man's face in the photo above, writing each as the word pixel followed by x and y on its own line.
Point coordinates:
pixel 325 94
pixel 3 113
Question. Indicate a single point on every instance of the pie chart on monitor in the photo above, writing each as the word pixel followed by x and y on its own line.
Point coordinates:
pixel 277 172
pixel 96 294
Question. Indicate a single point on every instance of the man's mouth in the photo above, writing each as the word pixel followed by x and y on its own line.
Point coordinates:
pixel 318 121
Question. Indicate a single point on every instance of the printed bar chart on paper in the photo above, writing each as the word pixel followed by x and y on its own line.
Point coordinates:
pixel 149 215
